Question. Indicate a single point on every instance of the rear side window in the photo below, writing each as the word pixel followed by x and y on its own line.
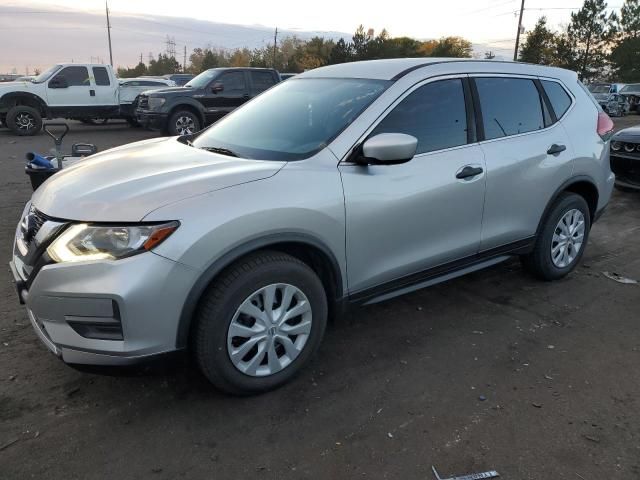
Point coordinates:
pixel 75 76
pixel 509 106
pixel 435 114
pixel 559 98
pixel 101 76
pixel 261 81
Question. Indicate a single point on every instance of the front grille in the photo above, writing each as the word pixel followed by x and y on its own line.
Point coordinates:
pixel 31 225
pixel 143 102
pixel 625 167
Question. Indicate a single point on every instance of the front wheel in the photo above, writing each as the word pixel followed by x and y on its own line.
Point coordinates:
pixel 260 323
pixel 183 122
pixel 24 120
pixel 562 239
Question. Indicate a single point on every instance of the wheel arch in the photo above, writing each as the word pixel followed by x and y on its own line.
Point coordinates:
pixel 306 248
pixel 190 105
pixel 9 100
pixel 582 185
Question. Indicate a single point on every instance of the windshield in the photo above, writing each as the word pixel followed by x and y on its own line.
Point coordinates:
pixel 634 88
pixel 599 88
pixel 44 76
pixel 202 80
pixel 293 120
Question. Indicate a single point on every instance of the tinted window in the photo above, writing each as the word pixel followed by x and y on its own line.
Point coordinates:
pixel 560 100
pixel 233 83
pixel 261 81
pixel 509 106
pixel 101 76
pixel 75 76
pixel 292 120
pixel 435 114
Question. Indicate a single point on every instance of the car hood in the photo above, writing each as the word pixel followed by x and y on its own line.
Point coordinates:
pixel 126 183
pixel 172 91
pixel 628 134
pixel 601 97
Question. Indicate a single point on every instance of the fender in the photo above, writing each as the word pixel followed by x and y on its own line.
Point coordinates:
pixel 191 302
pixel 179 101
pixel 564 187
pixel 8 99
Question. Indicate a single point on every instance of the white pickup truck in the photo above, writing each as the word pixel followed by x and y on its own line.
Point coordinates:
pixel 70 90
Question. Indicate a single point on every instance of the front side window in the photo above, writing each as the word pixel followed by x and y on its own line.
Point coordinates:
pixel 233 83
pixel 75 76
pixel 294 119
pixel 509 106
pixel 261 81
pixel 101 76
pixel 435 114
pixel 559 98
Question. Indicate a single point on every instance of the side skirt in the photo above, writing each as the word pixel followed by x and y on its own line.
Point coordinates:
pixel 441 273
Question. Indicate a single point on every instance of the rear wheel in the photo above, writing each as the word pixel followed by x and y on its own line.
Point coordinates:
pixel 24 120
pixel 562 239
pixel 184 122
pixel 260 323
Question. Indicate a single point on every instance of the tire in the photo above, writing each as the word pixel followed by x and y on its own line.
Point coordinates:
pixel 133 122
pixel 540 262
pixel 23 120
pixel 247 282
pixel 183 122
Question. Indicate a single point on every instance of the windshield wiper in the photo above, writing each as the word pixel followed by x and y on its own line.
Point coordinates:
pixel 221 151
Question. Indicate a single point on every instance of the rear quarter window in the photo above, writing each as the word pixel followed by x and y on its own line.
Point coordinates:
pixel 559 98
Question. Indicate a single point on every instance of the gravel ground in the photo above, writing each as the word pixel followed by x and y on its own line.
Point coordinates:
pixel 491 371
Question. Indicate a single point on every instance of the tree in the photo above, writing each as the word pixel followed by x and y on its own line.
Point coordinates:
pixel 360 44
pixel 342 52
pixel 137 71
pixel 591 30
pixel 539 45
pixel 626 52
pixel 452 47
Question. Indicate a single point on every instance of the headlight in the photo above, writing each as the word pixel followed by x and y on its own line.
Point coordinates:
pixel 615 146
pixel 629 147
pixel 156 102
pixel 82 242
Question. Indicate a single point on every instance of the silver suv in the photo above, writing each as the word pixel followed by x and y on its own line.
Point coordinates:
pixel 349 184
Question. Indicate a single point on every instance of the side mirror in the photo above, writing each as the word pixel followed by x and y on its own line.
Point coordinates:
pixel 58 82
pixel 217 87
pixel 389 149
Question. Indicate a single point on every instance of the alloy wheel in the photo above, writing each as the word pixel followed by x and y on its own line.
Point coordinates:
pixel 269 330
pixel 185 125
pixel 25 121
pixel 568 238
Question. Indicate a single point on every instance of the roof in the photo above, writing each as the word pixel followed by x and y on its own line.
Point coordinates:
pixel 394 68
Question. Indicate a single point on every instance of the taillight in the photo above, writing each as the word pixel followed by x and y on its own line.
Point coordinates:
pixel 605 126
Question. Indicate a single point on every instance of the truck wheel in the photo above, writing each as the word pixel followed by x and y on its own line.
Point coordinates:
pixel 133 122
pixel 562 239
pixel 259 323
pixel 183 122
pixel 24 121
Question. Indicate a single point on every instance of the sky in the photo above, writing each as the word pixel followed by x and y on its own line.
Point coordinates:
pixel 489 24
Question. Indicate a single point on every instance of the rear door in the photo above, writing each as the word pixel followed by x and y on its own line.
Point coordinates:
pixel 104 91
pixel 70 89
pixel 261 80
pixel 527 152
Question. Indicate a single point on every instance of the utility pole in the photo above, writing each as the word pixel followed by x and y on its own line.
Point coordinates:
pixel 275 46
pixel 141 58
pixel 184 63
pixel 106 6
pixel 515 52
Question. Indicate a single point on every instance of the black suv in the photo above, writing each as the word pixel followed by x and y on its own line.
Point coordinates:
pixel 202 101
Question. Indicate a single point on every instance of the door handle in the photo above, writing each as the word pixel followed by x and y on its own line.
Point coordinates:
pixel 468 171
pixel 92 93
pixel 555 149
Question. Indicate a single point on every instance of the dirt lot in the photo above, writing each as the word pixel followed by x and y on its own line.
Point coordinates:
pixel 491 371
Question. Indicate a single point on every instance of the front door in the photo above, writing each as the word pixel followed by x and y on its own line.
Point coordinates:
pixel 225 93
pixel 69 91
pixel 404 219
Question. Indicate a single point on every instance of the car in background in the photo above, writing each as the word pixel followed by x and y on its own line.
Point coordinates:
pixel 130 88
pixel 631 92
pixel 625 158
pixel 180 79
pixel 25 78
pixel 604 93
pixel 203 100
pixel 287 76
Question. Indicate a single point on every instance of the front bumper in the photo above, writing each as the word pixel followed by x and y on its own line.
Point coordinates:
pixel 627 170
pixel 151 120
pixel 68 303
